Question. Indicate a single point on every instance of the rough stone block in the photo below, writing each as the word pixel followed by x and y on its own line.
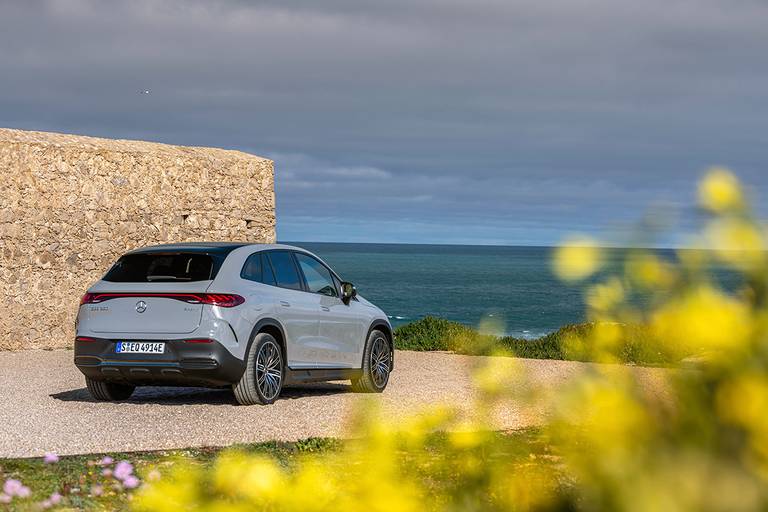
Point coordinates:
pixel 70 205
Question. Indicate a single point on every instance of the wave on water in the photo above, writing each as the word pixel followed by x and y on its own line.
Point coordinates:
pixel 529 334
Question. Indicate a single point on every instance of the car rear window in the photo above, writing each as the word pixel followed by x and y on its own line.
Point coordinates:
pixel 286 274
pixel 257 268
pixel 159 268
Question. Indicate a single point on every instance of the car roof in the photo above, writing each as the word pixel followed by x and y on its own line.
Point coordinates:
pixel 218 248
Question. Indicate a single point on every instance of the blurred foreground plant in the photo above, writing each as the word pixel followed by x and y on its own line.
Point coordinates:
pixel 698 441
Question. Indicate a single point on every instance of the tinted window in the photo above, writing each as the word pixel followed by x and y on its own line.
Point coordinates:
pixel 286 274
pixel 158 268
pixel 252 270
pixel 268 277
pixel 318 277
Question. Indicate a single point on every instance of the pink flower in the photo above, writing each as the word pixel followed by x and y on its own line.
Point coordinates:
pixel 130 482
pixel 97 490
pixel 55 498
pixel 4 498
pixel 106 472
pixel 123 470
pixel 11 487
pixel 50 458
pixel 106 461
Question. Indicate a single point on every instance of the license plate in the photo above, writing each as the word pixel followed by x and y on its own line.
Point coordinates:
pixel 139 347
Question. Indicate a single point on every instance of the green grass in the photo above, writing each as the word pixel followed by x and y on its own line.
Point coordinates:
pixel 431 333
pixel 74 476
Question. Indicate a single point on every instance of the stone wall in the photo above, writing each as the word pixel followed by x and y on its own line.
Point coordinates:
pixel 70 205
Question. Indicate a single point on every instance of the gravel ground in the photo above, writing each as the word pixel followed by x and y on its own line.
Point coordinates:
pixel 44 405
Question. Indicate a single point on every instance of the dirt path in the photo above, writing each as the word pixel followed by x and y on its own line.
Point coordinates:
pixel 44 405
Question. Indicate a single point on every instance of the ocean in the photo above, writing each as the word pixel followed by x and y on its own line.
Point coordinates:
pixel 511 285
pixel 514 286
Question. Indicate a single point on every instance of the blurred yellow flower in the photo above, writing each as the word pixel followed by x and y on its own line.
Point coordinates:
pixel 720 191
pixel 181 489
pixel 468 435
pixel 605 338
pixel 606 296
pixel 256 477
pixel 577 259
pixel 703 319
pixel 745 400
pixel 737 242
pixel 649 271
pixel 496 374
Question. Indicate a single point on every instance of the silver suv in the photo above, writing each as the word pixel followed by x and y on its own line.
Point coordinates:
pixel 253 317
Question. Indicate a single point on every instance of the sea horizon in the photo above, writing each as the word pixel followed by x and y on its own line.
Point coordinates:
pixel 542 246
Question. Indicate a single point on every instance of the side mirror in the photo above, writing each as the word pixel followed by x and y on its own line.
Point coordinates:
pixel 348 292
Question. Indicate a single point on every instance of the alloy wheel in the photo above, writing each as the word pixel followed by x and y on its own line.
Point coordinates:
pixel 380 360
pixel 269 370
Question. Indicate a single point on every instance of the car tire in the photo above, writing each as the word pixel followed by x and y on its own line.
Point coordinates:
pixel 377 364
pixel 263 378
pixel 109 391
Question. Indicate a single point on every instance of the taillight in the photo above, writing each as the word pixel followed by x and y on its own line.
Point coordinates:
pixel 84 338
pixel 199 340
pixel 224 300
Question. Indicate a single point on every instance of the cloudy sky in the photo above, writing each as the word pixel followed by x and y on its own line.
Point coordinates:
pixel 482 121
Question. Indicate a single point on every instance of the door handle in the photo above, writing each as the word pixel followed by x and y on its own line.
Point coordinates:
pixel 285 303
pixel 325 308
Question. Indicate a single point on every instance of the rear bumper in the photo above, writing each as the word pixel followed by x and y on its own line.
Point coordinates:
pixel 182 364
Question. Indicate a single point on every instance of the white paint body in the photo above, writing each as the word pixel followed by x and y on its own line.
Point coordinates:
pixel 321 331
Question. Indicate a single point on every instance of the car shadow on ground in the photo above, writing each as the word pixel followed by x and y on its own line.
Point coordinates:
pixel 206 396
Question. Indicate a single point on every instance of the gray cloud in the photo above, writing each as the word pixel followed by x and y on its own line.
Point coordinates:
pixel 485 121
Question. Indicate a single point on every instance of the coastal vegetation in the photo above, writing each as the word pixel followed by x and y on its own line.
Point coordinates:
pixel 637 345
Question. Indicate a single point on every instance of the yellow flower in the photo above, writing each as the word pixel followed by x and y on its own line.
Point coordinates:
pixel 577 259
pixel 182 489
pixel 649 271
pixel 606 296
pixel 605 338
pixel 467 436
pixel 256 477
pixel 744 401
pixel 704 319
pixel 720 191
pixel 737 242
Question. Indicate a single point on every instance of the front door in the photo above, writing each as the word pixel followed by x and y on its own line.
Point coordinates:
pixel 341 326
pixel 338 340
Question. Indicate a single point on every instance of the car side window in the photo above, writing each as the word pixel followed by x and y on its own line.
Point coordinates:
pixel 267 274
pixel 317 275
pixel 286 273
pixel 252 270
pixel 257 268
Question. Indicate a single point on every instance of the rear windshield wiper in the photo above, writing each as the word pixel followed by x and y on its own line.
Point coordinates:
pixel 168 278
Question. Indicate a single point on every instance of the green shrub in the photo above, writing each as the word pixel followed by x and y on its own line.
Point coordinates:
pixel 430 333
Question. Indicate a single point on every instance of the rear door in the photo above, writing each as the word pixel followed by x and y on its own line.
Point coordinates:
pixel 296 309
pixel 150 294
